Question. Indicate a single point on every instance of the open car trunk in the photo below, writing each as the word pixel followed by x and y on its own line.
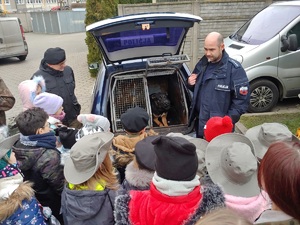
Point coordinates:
pixel 132 89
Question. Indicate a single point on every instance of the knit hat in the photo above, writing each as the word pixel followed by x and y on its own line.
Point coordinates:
pixel 49 102
pixel 86 156
pixel 92 124
pixel 216 126
pixel 27 90
pixel 5 146
pixel 231 163
pixel 54 56
pixel 262 136
pixel 176 158
pixel 135 119
pixel 201 145
pixel 144 153
pixel 95 121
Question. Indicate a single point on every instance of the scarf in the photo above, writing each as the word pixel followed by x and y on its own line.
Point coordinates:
pixel 9 170
pixel 60 117
pixel 174 188
pixel 47 140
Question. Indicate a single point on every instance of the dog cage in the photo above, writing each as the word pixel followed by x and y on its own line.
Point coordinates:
pixel 134 89
pixel 128 91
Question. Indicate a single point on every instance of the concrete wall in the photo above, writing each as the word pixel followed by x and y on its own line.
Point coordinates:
pixel 25 20
pixel 224 16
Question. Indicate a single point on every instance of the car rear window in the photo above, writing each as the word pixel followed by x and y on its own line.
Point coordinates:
pixel 141 38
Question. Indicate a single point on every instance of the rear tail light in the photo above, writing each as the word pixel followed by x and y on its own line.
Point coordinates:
pixel 22 31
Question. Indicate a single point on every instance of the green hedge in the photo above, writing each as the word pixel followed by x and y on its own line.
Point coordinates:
pixel 99 10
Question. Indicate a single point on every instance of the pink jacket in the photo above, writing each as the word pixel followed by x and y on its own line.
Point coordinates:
pixel 250 208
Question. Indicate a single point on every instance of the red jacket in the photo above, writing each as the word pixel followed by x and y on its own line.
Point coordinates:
pixel 152 207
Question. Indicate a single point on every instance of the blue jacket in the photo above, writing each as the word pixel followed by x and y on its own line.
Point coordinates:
pixel 21 207
pixel 222 91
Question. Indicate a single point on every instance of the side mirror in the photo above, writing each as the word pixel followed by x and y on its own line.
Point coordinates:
pixel 285 43
pixel 94 66
pixel 293 42
pixel 289 43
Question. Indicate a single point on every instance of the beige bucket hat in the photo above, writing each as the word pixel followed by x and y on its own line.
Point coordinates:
pixel 86 156
pixel 262 136
pixel 231 163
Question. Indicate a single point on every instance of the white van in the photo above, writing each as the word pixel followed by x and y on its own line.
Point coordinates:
pixel 268 47
pixel 12 39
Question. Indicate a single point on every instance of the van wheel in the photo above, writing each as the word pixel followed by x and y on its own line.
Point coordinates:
pixel 264 96
pixel 22 57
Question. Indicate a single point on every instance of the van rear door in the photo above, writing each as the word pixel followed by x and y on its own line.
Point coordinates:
pixel 12 36
pixel 2 43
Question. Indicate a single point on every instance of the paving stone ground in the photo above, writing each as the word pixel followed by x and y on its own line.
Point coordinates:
pixel 14 72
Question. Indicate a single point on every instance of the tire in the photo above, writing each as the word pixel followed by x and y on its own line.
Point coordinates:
pixel 22 57
pixel 264 96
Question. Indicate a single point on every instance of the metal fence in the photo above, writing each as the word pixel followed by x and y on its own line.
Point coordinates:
pixel 58 22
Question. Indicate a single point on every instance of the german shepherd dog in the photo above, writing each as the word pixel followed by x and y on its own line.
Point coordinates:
pixel 160 105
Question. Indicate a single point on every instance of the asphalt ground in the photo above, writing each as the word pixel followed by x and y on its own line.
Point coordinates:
pixel 14 71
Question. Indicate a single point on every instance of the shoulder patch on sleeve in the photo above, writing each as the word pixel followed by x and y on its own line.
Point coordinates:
pixel 235 63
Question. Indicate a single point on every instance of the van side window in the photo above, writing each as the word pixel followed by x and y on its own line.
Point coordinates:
pixel 295 30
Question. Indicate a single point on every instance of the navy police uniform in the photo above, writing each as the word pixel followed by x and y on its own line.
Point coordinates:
pixel 221 89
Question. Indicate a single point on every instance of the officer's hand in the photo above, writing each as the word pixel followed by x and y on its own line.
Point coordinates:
pixel 192 79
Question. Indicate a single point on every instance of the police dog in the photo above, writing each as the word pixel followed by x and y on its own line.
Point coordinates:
pixel 160 105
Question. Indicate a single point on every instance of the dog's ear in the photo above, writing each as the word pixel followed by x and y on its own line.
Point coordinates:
pixel 153 96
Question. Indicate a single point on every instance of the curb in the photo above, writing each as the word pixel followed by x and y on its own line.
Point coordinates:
pixel 240 128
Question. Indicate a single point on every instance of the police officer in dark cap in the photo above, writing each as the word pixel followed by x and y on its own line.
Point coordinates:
pixel 60 80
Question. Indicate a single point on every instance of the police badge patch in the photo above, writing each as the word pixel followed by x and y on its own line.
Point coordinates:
pixel 243 90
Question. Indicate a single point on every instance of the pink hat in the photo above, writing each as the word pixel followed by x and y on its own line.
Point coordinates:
pixel 50 103
pixel 27 90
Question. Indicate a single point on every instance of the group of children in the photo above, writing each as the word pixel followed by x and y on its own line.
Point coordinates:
pixel 142 177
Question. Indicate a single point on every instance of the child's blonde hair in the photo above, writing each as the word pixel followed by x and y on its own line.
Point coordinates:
pixel 105 175
pixel 222 216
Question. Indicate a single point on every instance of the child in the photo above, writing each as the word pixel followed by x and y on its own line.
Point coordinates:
pixel 28 89
pixel 52 105
pixel 174 197
pixel 231 163
pixel 134 121
pixel 223 216
pixel 139 172
pixel 279 176
pixel 216 126
pixel 89 193
pixel 17 200
pixel 39 159
pixel 92 124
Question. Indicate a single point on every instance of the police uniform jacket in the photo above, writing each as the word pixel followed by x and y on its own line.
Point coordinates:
pixel 61 83
pixel 222 91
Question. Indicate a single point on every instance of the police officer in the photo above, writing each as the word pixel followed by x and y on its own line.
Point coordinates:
pixel 60 80
pixel 219 83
